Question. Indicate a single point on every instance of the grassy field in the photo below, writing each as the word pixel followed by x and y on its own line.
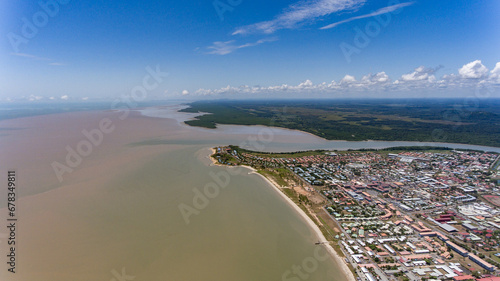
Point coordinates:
pixel 275 176
pixel 356 120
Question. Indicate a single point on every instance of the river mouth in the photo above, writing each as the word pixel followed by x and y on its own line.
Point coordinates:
pixel 119 209
pixel 262 138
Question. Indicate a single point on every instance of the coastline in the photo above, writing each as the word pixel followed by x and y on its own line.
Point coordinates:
pixel 460 143
pixel 312 225
pixel 340 261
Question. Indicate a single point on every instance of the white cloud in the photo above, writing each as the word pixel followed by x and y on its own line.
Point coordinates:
pixel 306 84
pixel 377 78
pixel 348 79
pixel 421 73
pixel 300 13
pixel 421 80
pixel 293 16
pixel 227 47
pixel 473 70
pixel 373 14
pixel 495 74
pixel 34 98
pixel 37 58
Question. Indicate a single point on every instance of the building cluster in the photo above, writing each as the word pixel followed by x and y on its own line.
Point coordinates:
pixel 409 215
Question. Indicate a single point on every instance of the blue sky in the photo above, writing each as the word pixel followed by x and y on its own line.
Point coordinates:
pixel 240 48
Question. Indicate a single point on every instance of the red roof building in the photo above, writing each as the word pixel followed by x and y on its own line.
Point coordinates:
pixel 464 277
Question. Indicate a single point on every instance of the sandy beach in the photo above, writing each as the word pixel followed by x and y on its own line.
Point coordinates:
pixel 312 225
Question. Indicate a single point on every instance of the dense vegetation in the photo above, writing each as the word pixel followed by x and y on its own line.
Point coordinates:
pixel 355 120
pixel 387 150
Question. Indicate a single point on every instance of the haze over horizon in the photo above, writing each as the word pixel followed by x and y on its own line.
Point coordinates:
pixel 68 50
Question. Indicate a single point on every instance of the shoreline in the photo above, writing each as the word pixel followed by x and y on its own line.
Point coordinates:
pixel 214 162
pixel 483 147
pixel 392 143
pixel 312 225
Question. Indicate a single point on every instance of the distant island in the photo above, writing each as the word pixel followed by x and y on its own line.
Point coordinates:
pixel 453 121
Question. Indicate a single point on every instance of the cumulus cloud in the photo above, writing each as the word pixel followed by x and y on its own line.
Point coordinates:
pixel 421 73
pixel 227 47
pixel 473 70
pixel 495 74
pixel 422 79
pixel 380 77
pixel 300 13
pixel 348 79
pixel 306 84
pixel 470 78
pixel 34 98
pixel 381 11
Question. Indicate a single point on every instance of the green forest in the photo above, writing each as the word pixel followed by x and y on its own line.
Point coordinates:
pixel 455 121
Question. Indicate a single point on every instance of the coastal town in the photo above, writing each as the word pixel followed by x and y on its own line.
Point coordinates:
pixel 395 214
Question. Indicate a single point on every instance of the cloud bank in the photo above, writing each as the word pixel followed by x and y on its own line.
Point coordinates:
pixel 470 77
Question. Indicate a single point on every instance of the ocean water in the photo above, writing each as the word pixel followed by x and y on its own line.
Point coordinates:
pixel 245 231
